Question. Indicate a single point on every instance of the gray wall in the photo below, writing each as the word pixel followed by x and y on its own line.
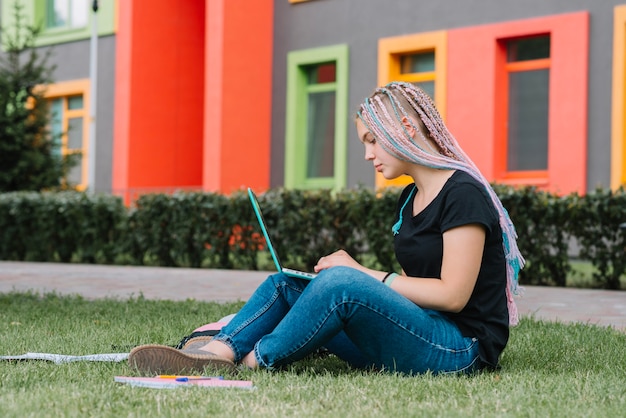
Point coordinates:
pixel 360 23
pixel 72 61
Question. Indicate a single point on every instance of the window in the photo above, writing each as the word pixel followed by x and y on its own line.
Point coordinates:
pixel 618 118
pixel 528 68
pixel 419 68
pixel 419 59
pixel 320 137
pixel 69 122
pixel 62 20
pixel 316 118
pixel 502 75
pixel 67 14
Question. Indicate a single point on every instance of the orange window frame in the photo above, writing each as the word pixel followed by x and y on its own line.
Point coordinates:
pixel 390 50
pixel 502 140
pixel 422 76
pixel 65 90
pixel 618 105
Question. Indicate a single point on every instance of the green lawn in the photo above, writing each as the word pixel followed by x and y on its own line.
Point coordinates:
pixel 547 370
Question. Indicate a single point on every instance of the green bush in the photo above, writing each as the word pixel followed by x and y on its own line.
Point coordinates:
pixel 542 224
pixel 63 226
pixel 595 220
pixel 215 231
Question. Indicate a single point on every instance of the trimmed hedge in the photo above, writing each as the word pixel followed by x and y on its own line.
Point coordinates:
pixel 215 231
pixel 62 226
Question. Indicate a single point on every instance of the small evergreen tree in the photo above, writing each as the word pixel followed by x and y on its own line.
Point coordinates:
pixel 29 155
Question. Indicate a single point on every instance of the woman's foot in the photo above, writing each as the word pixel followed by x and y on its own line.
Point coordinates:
pixel 161 359
pixel 223 350
pixel 250 361
pixel 216 347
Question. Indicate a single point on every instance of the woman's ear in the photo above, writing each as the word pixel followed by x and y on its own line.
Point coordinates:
pixel 406 124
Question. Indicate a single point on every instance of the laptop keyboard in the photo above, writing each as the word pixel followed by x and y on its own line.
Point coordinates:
pixel 303 273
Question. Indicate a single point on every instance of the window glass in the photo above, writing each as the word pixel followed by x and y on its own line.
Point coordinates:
pixel 321 135
pixel 56 124
pixel 417 63
pixel 528 49
pixel 80 12
pixel 75 134
pixel 75 102
pixel 57 14
pixel 67 13
pixel 428 87
pixel 75 175
pixel 528 120
pixel 323 73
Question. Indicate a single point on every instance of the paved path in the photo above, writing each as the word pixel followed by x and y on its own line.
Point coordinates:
pixel 601 307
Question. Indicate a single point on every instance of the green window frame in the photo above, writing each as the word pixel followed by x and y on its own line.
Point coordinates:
pixel 299 93
pixel 35 12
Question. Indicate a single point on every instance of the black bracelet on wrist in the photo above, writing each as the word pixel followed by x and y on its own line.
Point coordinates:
pixel 387 276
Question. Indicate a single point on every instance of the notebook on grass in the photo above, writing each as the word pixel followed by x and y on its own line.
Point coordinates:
pixel 279 266
pixel 193 381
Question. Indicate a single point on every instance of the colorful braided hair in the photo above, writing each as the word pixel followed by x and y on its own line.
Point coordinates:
pixel 382 115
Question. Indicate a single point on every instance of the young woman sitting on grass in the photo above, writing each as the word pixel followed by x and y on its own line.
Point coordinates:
pixel 447 311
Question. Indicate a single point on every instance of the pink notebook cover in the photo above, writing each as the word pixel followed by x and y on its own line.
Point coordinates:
pixel 160 383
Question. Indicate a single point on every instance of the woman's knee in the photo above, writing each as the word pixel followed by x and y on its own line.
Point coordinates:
pixel 282 281
pixel 337 278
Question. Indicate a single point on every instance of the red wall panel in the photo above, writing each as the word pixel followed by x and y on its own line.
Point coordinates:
pixel 473 114
pixel 159 95
pixel 238 94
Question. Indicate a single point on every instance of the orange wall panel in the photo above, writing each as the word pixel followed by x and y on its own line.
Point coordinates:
pixel 159 87
pixel 119 181
pixel 213 58
pixel 473 74
pixel 471 93
pixel 238 94
pixel 618 100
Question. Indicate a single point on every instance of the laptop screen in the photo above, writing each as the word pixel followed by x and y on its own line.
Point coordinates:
pixel 259 216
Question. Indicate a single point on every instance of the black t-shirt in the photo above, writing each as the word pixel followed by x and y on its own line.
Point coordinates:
pixel 419 250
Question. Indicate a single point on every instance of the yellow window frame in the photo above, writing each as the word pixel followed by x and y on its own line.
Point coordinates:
pixel 618 108
pixel 390 50
pixel 64 90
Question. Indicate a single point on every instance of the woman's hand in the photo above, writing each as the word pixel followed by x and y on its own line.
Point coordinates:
pixel 338 258
pixel 342 258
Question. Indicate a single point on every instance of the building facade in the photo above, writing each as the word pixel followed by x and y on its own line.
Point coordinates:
pixel 218 95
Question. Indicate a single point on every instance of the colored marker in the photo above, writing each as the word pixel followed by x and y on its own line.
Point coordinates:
pixel 188 378
pixel 192 378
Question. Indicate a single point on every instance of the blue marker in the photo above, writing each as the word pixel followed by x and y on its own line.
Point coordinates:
pixel 192 378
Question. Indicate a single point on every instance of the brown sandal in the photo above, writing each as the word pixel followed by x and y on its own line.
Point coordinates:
pixel 162 359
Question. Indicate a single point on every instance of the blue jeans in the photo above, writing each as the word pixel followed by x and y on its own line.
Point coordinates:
pixel 355 317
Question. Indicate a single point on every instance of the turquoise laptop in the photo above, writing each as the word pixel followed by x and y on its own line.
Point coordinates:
pixel 268 241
